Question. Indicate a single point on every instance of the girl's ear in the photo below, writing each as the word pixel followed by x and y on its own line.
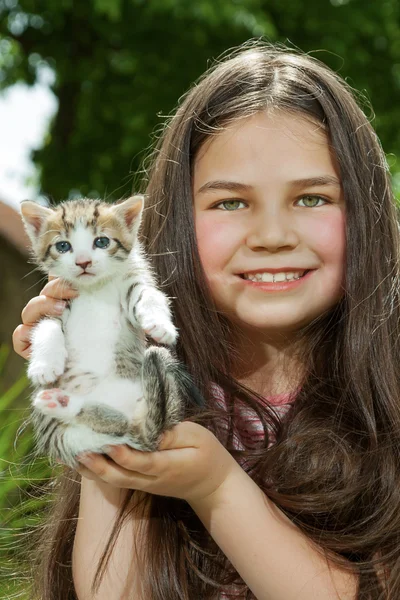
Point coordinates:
pixel 34 216
pixel 130 211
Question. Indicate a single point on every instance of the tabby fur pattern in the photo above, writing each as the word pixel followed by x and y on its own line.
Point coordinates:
pixel 98 381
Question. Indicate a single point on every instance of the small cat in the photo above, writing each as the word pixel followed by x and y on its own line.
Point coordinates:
pixel 98 381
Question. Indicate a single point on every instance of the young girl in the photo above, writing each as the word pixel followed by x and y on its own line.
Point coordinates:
pixel 272 225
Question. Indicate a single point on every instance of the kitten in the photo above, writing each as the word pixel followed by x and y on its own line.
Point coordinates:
pixel 98 382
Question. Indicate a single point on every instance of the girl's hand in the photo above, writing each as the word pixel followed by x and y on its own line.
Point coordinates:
pixel 51 301
pixel 190 464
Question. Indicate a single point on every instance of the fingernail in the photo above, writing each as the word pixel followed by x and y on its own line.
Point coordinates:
pixel 60 307
pixel 109 449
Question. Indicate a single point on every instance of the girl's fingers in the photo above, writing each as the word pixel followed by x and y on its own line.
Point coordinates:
pixel 21 340
pixel 97 466
pixel 50 302
pixel 177 447
pixel 146 463
pixel 59 289
pixel 151 465
pixel 41 306
pixel 87 473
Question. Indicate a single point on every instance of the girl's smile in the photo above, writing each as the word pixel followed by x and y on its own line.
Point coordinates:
pixel 270 222
pixel 284 279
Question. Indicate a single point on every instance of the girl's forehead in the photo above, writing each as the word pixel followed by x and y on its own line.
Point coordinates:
pixel 275 143
pixel 267 126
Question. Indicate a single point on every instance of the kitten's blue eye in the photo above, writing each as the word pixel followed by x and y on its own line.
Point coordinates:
pixel 63 247
pixel 101 242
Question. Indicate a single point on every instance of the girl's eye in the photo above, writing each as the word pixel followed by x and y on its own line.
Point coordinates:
pixel 312 201
pixel 230 205
pixel 101 242
pixel 63 247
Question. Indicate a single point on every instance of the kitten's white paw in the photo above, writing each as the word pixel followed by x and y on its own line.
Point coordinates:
pixel 43 372
pixel 57 403
pixel 163 333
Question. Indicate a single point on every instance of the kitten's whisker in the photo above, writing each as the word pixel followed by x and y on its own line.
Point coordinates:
pixel 163 253
pixel 44 278
pixel 30 272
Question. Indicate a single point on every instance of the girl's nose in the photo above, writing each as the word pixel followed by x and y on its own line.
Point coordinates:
pixel 272 231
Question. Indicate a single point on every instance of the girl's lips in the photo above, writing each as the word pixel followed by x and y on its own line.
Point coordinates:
pixel 279 286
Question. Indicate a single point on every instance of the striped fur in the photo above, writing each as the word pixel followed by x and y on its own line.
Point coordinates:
pixel 97 380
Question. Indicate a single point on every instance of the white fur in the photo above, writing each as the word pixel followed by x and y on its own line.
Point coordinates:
pixel 89 332
pixel 48 352
pixel 93 327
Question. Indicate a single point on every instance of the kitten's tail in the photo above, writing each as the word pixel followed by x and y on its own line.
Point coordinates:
pixel 168 391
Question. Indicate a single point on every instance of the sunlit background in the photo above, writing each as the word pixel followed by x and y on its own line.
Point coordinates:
pixel 25 115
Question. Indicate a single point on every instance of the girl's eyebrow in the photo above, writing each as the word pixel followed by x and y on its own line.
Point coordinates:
pixel 315 181
pixel 220 184
pixel 235 186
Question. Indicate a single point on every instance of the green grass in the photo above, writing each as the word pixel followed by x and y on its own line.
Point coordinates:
pixel 21 478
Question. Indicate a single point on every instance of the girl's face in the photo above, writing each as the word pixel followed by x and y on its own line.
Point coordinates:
pixel 270 222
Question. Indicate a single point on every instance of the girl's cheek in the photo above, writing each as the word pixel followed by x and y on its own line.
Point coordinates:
pixel 215 242
pixel 331 237
pixel 325 234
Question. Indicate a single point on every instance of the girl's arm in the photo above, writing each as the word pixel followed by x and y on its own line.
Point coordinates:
pixel 275 559
pixel 269 552
pixel 99 505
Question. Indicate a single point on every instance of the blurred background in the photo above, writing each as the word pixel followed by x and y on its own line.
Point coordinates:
pixel 84 88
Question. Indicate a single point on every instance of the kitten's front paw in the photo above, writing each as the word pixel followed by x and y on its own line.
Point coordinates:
pixel 57 403
pixel 163 333
pixel 44 372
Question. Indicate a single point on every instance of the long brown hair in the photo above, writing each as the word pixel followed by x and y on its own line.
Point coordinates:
pixel 334 469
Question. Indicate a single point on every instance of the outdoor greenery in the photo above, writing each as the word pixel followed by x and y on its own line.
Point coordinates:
pixel 21 480
pixel 121 65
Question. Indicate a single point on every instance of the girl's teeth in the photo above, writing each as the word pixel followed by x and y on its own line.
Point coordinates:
pixel 273 277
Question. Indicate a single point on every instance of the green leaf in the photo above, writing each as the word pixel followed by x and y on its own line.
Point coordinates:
pixel 109 8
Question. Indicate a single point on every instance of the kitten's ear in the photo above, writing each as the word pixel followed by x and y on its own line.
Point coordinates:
pixel 130 211
pixel 34 216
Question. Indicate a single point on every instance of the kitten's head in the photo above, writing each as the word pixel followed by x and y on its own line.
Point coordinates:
pixel 85 242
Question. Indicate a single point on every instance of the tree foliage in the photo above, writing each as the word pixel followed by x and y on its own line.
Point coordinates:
pixel 121 65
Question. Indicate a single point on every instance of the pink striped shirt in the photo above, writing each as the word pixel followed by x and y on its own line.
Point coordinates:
pixel 250 426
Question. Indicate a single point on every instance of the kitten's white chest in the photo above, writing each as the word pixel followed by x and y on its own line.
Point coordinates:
pixel 93 329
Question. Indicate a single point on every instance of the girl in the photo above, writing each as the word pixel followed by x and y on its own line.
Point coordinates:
pixel 272 224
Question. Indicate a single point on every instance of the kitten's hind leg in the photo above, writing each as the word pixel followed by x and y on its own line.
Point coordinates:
pixel 167 390
pixel 115 395
pixel 58 403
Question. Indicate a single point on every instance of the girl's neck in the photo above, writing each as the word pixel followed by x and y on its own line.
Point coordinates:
pixel 269 368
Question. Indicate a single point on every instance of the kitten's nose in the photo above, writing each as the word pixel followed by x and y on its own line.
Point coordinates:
pixel 84 264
